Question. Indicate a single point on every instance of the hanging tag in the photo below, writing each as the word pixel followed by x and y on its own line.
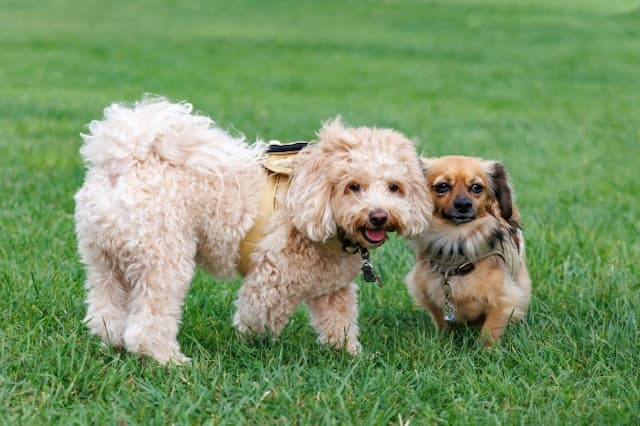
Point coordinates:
pixel 368 271
pixel 449 312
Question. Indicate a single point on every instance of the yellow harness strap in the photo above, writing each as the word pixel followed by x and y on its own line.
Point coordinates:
pixel 279 167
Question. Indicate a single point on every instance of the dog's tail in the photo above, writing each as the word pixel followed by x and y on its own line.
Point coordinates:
pixel 155 127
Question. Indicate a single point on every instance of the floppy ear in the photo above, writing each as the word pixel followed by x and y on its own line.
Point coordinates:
pixel 500 184
pixel 420 201
pixel 309 196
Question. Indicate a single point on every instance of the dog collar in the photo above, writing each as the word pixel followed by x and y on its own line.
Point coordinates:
pixel 508 252
pixel 464 269
pixel 506 248
pixel 341 245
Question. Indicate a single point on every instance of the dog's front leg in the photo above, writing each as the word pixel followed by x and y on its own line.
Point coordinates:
pixel 335 316
pixel 493 327
pixel 437 316
pixel 264 306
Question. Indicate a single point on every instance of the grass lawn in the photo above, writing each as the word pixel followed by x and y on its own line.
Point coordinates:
pixel 551 88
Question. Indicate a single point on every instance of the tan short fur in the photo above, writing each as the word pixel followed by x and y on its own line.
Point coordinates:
pixel 495 291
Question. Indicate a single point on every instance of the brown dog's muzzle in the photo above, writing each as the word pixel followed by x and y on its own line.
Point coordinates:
pixel 462 210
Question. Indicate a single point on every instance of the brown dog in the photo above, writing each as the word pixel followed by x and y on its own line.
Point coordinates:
pixel 470 264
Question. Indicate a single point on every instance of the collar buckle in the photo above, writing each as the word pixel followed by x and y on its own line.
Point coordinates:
pixel 465 268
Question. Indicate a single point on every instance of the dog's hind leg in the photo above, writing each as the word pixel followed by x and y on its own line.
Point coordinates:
pixel 155 306
pixel 107 297
pixel 335 316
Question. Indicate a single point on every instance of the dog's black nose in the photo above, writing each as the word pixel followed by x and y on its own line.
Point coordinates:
pixel 462 204
pixel 378 217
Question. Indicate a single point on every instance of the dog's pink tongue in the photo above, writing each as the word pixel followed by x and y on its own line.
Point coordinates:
pixel 375 235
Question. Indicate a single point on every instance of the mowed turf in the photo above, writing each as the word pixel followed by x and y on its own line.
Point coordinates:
pixel 550 88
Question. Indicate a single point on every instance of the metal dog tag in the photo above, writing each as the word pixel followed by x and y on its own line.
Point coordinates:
pixel 368 271
pixel 449 312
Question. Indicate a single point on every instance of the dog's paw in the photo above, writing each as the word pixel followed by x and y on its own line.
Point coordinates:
pixel 176 359
pixel 488 343
pixel 165 358
pixel 172 357
pixel 351 345
pixel 242 327
pixel 180 359
pixel 251 326
pixel 139 341
pixel 353 348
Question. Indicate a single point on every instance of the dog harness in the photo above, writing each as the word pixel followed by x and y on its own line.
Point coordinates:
pixel 278 161
pixel 506 248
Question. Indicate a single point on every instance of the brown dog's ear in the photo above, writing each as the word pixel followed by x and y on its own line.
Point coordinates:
pixel 425 163
pixel 500 184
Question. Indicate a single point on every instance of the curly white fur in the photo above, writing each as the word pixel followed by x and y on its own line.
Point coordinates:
pixel 166 189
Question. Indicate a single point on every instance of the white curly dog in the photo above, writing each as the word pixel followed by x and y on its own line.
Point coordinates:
pixel 166 190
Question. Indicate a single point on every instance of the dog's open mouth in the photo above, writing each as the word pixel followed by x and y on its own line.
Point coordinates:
pixel 374 236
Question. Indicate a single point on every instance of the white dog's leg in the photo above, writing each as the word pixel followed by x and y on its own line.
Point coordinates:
pixel 107 298
pixel 263 307
pixel 155 310
pixel 335 317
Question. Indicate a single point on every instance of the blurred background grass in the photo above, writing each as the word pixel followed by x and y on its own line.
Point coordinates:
pixel 549 88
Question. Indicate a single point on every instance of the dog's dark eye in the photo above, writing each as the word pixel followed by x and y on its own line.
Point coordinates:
pixel 354 187
pixel 393 187
pixel 476 188
pixel 441 188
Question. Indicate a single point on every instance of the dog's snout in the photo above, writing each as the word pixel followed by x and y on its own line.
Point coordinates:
pixel 462 204
pixel 378 217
